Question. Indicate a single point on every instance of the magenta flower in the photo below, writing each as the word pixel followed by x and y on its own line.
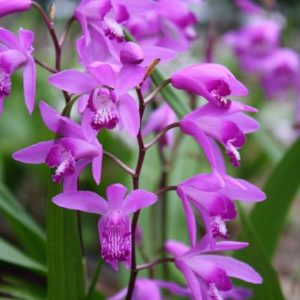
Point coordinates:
pixel 68 154
pixel 160 118
pixel 213 195
pixel 208 275
pixel 149 289
pixel 9 7
pixel 114 226
pixel 108 16
pixel 15 53
pixel 212 81
pixel 107 103
pixel 255 40
pixel 237 293
pixel 280 72
pixel 227 126
pixel 169 24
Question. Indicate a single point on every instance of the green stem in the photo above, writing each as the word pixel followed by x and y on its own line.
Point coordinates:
pixel 94 280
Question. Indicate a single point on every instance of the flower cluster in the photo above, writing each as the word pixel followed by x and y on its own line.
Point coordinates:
pixel 121 44
pixel 257 45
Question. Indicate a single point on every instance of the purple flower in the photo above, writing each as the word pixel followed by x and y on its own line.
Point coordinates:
pixel 255 40
pixel 105 103
pixel 68 154
pixel 149 289
pixel 212 81
pixel 168 24
pixel 15 53
pixel 108 16
pixel 213 195
pixel 208 275
pixel 280 72
pixel 227 126
pixel 114 226
pixel 160 118
pixel 10 7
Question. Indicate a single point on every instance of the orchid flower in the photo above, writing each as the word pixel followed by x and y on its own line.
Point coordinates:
pixel 212 81
pixel 255 40
pixel 68 154
pixel 227 126
pixel 149 289
pixel 160 118
pixel 169 24
pixel 106 102
pixel 108 16
pixel 208 275
pixel 114 226
pixel 9 7
pixel 15 53
pixel 213 195
pixel 280 72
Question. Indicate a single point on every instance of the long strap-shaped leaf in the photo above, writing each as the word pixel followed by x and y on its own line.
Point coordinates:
pixel 256 256
pixel 269 217
pixel 65 268
pixel 10 254
pixel 30 235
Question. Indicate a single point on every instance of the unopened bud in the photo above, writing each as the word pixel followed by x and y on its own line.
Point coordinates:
pixel 131 54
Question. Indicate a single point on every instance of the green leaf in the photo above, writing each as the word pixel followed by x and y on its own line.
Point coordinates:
pixel 21 289
pixel 256 256
pixel 65 268
pixel 169 94
pixel 281 188
pixel 30 235
pixel 10 254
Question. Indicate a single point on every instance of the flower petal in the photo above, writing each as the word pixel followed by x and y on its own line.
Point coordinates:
pixel 26 38
pixel 176 248
pixel 29 81
pixel 97 166
pixel 104 74
pixel 59 124
pixel 191 279
pixel 34 154
pixel 83 201
pixel 129 77
pixel 138 199
pixel 239 189
pixel 73 81
pixel 189 215
pixel 115 194
pixel 192 129
pixel 235 268
pixel 129 114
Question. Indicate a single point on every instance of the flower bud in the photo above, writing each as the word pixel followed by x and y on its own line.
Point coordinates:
pixel 131 54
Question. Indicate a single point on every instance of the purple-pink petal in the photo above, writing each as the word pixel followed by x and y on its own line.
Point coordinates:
pixel 35 154
pixel 83 201
pixel 115 194
pixel 138 199
pixel 129 114
pixel 73 81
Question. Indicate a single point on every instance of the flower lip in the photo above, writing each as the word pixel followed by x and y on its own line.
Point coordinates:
pixel 103 105
pixel 112 29
pixel 115 236
pixel 5 83
pixel 63 160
